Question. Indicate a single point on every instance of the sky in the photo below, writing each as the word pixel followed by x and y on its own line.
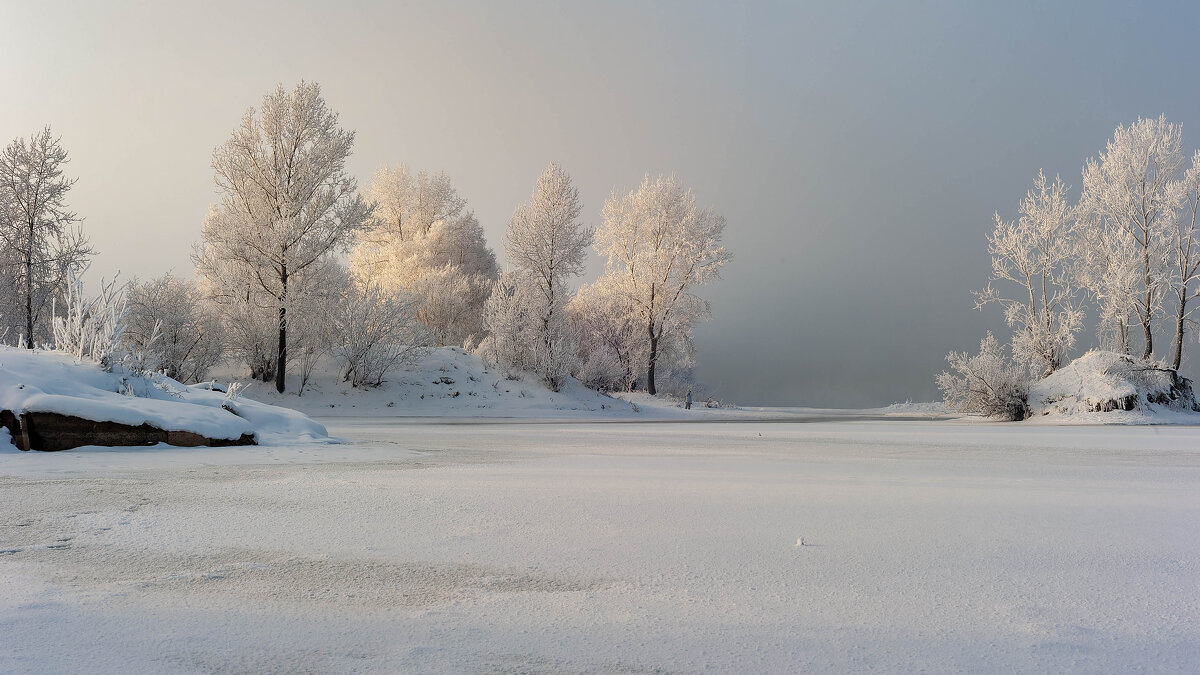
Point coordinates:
pixel 857 150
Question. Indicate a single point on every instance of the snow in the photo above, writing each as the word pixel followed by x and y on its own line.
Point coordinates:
pixel 611 546
pixel 451 382
pixel 48 381
pixel 1107 387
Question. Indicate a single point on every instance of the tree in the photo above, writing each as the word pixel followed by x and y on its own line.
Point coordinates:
pixel 287 201
pixel 1036 252
pixel 603 328
pixel 41 245
pixel 660 246
pixel 548 244
pixel 424 241
pixel 1186 258
pixel 510 315
pixel 169 321
pixel 1131 189
pixel 375 331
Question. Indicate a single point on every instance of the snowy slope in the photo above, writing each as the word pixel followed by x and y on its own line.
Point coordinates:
pixel 450 382
pixel 53 382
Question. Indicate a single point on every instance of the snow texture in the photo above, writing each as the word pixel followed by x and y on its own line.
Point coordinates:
pixel 928 546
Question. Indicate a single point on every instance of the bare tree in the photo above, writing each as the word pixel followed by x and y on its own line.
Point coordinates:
pixel 659 247
pixel 37 230
pixel 1131 188
pixel 171 325
pixel 287 201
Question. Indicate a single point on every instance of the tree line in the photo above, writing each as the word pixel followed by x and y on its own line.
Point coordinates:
pixel 1128 249
pixel 297 263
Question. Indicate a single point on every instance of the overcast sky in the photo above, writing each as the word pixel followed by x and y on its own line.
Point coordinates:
pixel 857 150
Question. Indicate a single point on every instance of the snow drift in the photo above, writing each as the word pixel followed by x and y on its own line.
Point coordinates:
pixel 55 383
pixel 1107 386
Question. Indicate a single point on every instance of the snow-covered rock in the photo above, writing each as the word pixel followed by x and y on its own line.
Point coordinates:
pixel 1110 387
pixel 54 382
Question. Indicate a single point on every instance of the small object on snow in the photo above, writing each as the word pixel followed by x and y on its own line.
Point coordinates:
pixel 800 541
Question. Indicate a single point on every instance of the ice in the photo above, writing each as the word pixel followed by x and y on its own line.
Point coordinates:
pixel 612 546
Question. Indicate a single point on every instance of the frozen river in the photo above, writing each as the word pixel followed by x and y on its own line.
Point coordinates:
pixel 418 546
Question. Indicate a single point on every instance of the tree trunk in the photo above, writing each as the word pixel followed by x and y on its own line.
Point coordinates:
pixel 653 360
pixel 1146 318
pixel 1177 345
pixel 29 289
pixel 1149 338
pixel 281 359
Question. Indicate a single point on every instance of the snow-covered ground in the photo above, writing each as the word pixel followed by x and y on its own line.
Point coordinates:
pixel 449 382
pixel 611 547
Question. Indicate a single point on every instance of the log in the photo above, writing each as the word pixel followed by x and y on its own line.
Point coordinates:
pixel 52 431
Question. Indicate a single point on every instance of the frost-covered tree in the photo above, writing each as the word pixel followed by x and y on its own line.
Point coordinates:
pixel 547 244
pixel 609 349
pixel 40 242
pixel 1131 192
pixel 170 322
pixel 423 240
pixel 287 201
pixel 1185 279
pixel 1108 267
pixel 988 383
pixel 660 246
pixel 1036 252
pixel 510 316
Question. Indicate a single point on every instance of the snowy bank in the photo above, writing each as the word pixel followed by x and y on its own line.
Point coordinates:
pixel 45 389
pixel 1109 387
pixel 451 382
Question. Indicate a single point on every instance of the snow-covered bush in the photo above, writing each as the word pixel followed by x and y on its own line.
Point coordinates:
pixel 172 329
pixel 374 333
pixel 91 328
pixel 988 383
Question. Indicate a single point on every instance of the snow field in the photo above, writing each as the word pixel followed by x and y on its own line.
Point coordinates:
pixel 611 547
